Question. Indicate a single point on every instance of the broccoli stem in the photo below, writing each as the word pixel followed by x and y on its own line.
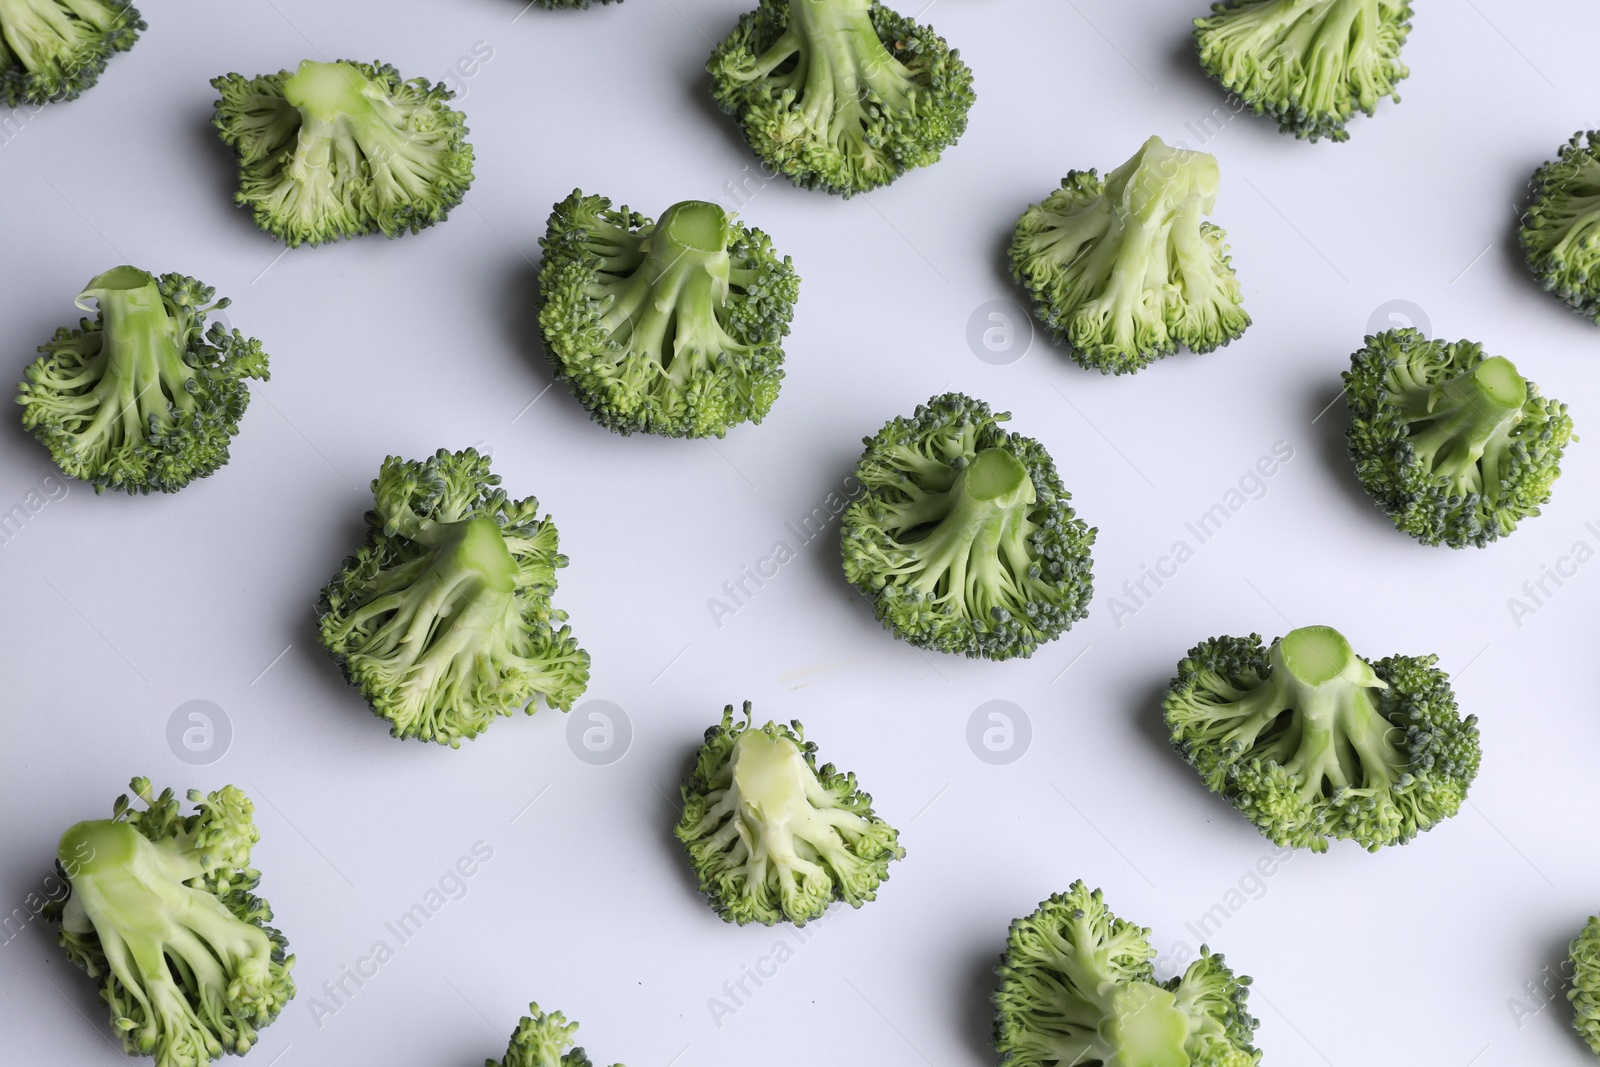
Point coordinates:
pixel 677 290
pixel 1577 211
pixel 132 894
pixel 977 555
pixel 460 597
pixel 349 125
pixel 839 62
pixel 1145 1027
pixel 43 33
pixel 1462 428
pixel 1338 739
pixel 142 377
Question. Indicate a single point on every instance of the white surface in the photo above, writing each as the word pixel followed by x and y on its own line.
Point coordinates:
pixel 122 609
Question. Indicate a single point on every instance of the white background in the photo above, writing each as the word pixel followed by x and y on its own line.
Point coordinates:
pixel 121 609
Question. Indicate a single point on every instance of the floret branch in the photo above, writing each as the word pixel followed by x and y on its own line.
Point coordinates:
pixel 163 915
pixel 772 836
pixel 443 617
pixel 144 397
pixel 841 95
pixel 54 50
pixel 1313 743
pixel 1309 64
pixel 1077 987
pixel 964 540
pixel 342 149
pixel 671 326
pixel 1455 446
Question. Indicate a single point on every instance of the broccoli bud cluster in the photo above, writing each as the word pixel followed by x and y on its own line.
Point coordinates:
pixel 672 326
pixel 1455 446
pixel 163 915
pixel 1077 987
pixel 841 95
pixel 1313 743
pixel 443 617
pixel 772 836
pixel 965 540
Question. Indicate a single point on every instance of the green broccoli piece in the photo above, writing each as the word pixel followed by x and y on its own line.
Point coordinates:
pixel 55 49
pixel 1124 270
pixel 1077 987
pixel 1455 447
pixel 1311 742
pixel 543 1040
pixel 443 617
pixel 162 913
pixel 773 837
pixel 1585 991
pixel 1560 231
pixel 841 95
pixel 672 327
pixel 964 539
pixel 1309 64
pixel 343 149
pixel 143 397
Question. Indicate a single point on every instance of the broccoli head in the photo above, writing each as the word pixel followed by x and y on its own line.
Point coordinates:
pixel 964 539
pixel 144 397
pixel 1585 991
pixel 772 836
pixel 162 913
pixel 1455 447
pixel 1314 743
pixel 543 1040
pixel 1560 232
pixel 342 149
pixel 1309 64
pixel 55 49
pixel 1124 270
pixel 841 95
pixel 443 617
pixel 1077 988
pixel 672 327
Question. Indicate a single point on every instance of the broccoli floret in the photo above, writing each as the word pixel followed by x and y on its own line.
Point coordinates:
pixel 1077 988
pixel 1560 232
pixel 1311 742
pixel 1309 64
pixel 143 397
pixel 443 617
pixel 543 1040
pixel 841 95
pixel 55 49
pixel 964 539
pixel 1124 270
pixel 342 149
pixel 772 836
pixel 162 913
pixel 1455 447
pixel 673 327
pixel 1585 991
